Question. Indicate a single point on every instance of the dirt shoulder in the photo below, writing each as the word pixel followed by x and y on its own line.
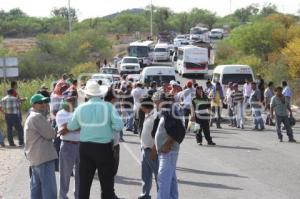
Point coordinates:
pixel 11 158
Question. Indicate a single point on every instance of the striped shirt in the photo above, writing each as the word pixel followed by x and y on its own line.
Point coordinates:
pixel 10 105
pixel 237 97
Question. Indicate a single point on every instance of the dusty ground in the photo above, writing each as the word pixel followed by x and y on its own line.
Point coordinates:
pixel 10 160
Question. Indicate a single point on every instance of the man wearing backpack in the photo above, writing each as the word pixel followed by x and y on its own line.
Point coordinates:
pixel 167 143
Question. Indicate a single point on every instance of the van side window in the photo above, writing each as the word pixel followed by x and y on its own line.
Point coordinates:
pixel 180 55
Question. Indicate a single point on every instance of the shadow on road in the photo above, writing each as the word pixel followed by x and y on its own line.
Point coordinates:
pixel 132 142
pixel 128 181
pixel 238 147
pixel 208 185
pixel 209 172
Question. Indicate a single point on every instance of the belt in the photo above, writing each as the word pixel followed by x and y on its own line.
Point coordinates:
pixel 71 142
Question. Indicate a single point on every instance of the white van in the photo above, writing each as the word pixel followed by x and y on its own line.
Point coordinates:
pixel 161 52
pixel 159 74
pixel 192 60
pixel 232 73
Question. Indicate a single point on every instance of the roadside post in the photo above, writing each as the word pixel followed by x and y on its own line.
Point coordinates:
pixel 8 68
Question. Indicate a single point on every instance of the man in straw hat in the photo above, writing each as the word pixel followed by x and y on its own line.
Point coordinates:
pixel 97 121
pixel 39 149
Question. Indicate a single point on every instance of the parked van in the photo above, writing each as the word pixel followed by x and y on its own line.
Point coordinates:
pixel 159 74
pixel 232 73
pixel 161 52
pixel 192 60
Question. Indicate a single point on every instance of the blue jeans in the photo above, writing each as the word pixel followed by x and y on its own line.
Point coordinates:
pixel 129 119
pixel 167 181
pixel 43 181
pixel 286 122
pixel 13 120
pixel 68 160
pixel 258 120
pixel 1 137
pixel 149 167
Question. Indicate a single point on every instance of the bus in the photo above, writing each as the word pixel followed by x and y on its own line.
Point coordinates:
pixel 143 50
pixel 192 60
pixel 199 34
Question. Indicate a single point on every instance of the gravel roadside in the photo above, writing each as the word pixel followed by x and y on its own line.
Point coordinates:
pixel 11 158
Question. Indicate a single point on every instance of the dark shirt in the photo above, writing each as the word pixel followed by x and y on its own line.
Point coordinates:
pixel 127 100
pixel 201 105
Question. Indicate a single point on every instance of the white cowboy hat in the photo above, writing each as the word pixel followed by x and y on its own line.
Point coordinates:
pixel 92 88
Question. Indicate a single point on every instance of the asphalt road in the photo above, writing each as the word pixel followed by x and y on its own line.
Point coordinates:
pixel 244 165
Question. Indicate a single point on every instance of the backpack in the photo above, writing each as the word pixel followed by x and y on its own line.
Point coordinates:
pixel 174 127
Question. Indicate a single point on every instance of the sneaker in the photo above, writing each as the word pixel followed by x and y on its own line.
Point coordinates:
pixel 21 145
pixel 255 129
pixel 122 140
pixel 199 143
pixel 292 140
pixel 280 139
pixel 2 144
pixel 12 145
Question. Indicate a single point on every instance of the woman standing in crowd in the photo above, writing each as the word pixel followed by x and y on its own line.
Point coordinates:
pixel 200 114
pixel 217 97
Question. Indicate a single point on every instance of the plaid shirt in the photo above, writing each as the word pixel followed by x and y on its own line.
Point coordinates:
pixel 10 105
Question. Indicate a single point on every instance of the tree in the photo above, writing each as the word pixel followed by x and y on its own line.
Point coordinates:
pixel 160 18
pixel 202 16
pixel 268 9
pixel 180 22
pixel 64 13
pixel 244 14
pixel 292 54
pixel 16 13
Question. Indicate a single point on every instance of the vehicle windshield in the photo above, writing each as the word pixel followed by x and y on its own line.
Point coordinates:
pixel 110 71
pixel 160 50
pixel 104 81
pixel 130 60
pixel 159 79
pixel 138 51
pixel 236 78
pixel 197 31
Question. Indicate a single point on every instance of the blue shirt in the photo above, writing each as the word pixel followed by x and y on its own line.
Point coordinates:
pixel 97 121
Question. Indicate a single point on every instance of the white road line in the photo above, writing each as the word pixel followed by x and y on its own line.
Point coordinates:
pixel 131 153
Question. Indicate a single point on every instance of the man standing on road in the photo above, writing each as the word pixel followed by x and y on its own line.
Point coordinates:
pixel 167 145
pixel 238 107
pixel 228 101
pixel 287 92
pixel 247 90
pixel 97 121
pixel 69 148
pixel 10 106
pixel 149 154
pixel 127 107
pixel 269 93
pixel 281 105
pixel 39 150
pixel 137 94
pixel 261 86
pixel 187 95
pixel 256 106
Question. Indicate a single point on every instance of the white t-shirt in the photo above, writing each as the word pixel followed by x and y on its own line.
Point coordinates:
pixel 63 117
pixel 137 94
pixel 146 139
pixel 247 90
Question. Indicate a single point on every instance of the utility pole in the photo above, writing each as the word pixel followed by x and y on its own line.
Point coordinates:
pixel 151 21
pixel 69 16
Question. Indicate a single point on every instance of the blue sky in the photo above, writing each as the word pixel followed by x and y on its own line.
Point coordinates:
pixel 97 8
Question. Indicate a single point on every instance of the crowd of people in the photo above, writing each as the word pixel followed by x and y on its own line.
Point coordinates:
pixel 79 138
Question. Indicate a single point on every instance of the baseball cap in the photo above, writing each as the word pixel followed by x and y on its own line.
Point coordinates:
pixel 37 98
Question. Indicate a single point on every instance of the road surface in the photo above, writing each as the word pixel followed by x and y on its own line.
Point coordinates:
pixel 244 165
